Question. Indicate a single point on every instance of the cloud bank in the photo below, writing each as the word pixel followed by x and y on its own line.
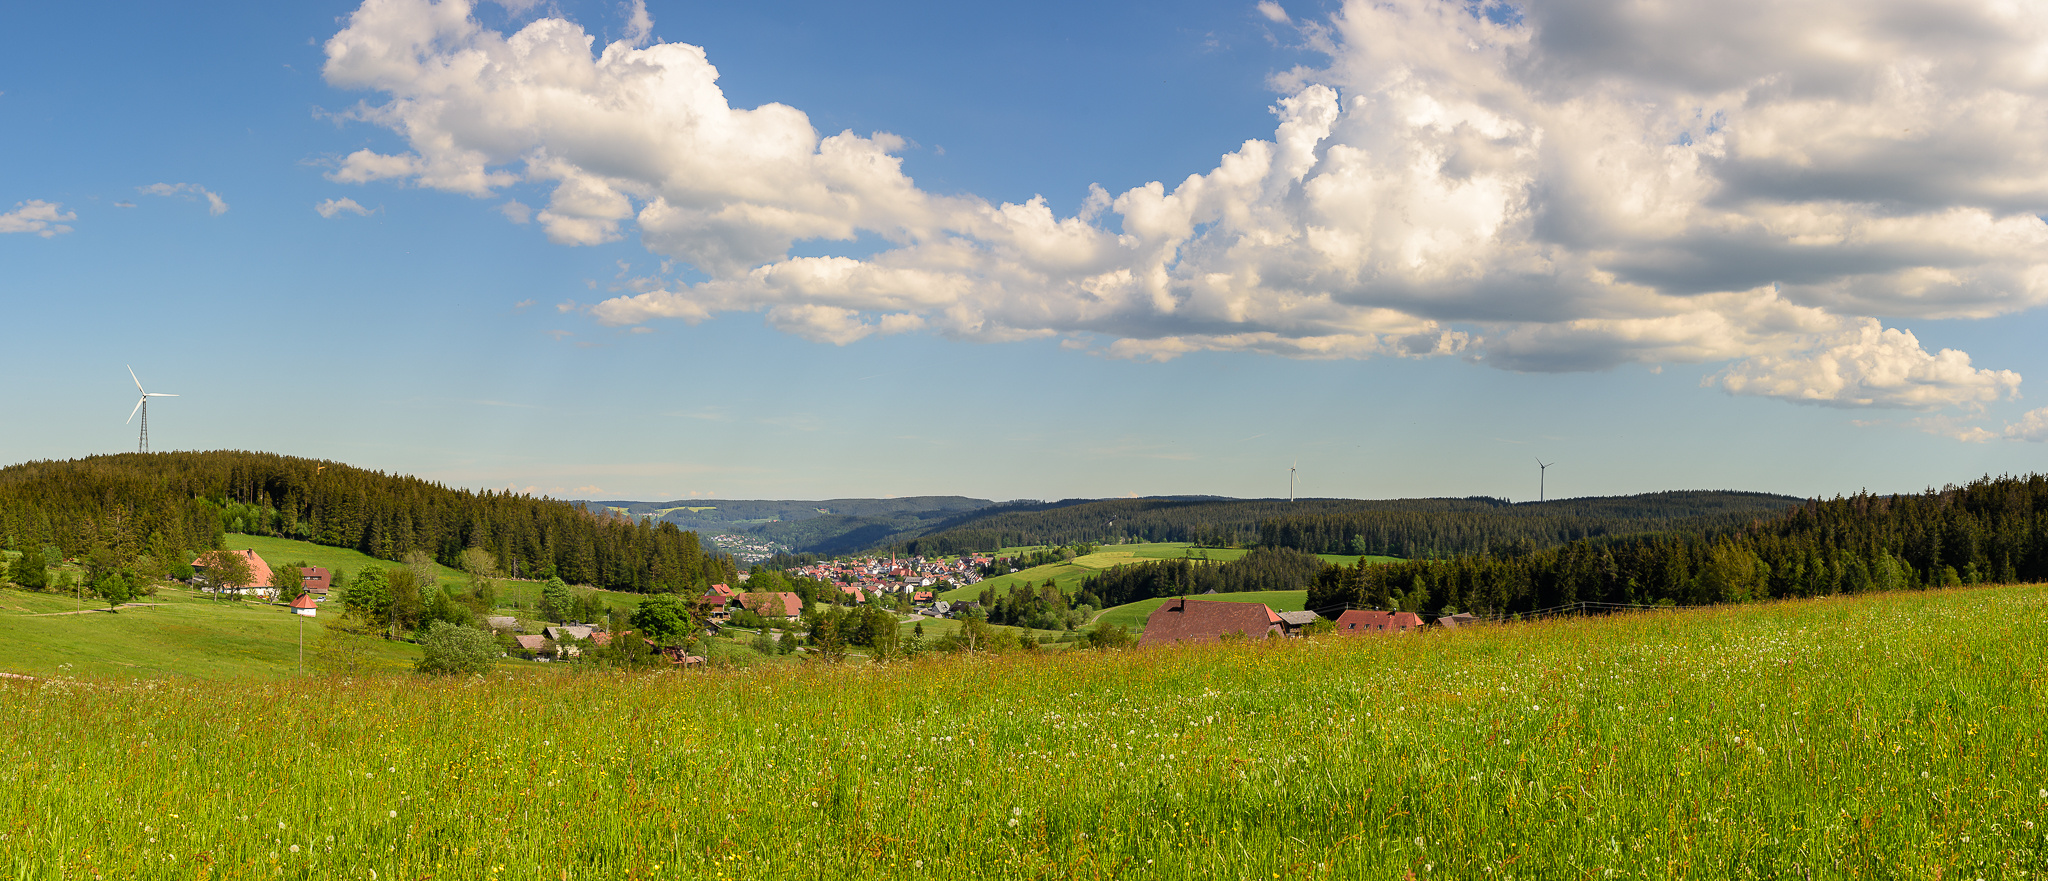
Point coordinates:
pixel 36 216
pixel 215 205
pixel 329 208
pixel 1564 186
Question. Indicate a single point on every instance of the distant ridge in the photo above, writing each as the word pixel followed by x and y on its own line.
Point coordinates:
pixel 1392 527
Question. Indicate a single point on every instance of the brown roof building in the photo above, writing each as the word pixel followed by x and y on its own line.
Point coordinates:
pixel 770 605
pixel 1358 621
pixel 259 571
pixel 1186 620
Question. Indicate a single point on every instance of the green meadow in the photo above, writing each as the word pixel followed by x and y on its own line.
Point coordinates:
pixel 1132 615
pixel 1069 575
pixel 178 634
pixel 278 551
pixel 1885 736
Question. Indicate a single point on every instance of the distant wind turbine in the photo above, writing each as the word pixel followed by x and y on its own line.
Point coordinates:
pixel 1542 471
pixel 1290 479
pixel 142 407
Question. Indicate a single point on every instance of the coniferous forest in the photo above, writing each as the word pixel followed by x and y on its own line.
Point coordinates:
pixel 1993 530
pixel 160 506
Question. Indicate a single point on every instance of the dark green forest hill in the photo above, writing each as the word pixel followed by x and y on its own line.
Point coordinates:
pixel 1389 527
pixel 163 505
pixel 1993 530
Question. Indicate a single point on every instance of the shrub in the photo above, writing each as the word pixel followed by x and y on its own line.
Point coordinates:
pixel 456 649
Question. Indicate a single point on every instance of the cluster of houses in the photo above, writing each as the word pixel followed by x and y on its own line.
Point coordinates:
pixel 746 548
pixel 907 576
pixel 1185 620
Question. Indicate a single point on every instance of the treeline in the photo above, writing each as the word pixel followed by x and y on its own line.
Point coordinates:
pixel 1262 569
pixel 164 505
pixel 1392 527
pixel 1485 526
pixel 1994 530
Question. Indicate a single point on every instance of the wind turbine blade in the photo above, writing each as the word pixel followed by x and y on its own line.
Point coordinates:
pixel 138 409
pixel 158 395
pixel 138 382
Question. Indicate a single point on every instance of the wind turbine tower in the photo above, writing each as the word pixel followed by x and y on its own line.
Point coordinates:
pixel 142 407
pixel 1290 480
pixel 1542 471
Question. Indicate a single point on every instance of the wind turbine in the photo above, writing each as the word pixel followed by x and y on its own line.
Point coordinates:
pixel 1542 471
pixel 1290 479
pixel 142 406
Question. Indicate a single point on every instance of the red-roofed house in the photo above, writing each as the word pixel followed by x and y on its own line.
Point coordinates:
pixel 303 605
pixel 1186 620
pixel 772 605
pixel 259 572
pixel 315 579
pixel 1358 621
pixel 720 590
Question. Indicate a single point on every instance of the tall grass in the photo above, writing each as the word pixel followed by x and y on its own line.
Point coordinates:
pixel 1890 736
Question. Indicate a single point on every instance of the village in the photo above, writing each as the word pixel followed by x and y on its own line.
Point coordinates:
pixel 907 588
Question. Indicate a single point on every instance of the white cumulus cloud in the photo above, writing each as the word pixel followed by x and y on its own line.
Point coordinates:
pixel 36 216
pixel 330 207
pixel 2033 426
pixel 214 204
pixel 1870 366
pixel 1586 184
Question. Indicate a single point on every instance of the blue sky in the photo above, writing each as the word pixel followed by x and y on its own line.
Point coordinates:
pixel 1786 250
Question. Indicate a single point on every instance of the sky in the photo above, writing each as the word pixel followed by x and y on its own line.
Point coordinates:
pixel 664 250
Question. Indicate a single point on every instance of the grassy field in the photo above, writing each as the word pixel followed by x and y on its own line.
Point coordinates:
pixel 1132 615
pixel 183 635
pixel 1069 575
pixel 278 551
pixel 188 635
pixel 1892 736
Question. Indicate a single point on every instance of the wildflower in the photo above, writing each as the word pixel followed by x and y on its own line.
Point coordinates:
pixel 392 814
pixel 1016 812
pixel 294 848
pixel 1418 841
pixel 1013 822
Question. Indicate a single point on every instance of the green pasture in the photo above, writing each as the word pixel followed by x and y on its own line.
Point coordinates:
pixel 278 551
pixel 182 635
pixel 1885 736
pixel 1132 615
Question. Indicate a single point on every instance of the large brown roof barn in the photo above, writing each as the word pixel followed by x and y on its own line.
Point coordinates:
pixel 1358 621
pixel 1186 620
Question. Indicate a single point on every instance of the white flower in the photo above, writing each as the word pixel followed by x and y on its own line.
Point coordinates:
pixel 280 824
pixel 1013 822
pixel 392 814
pixel 294 848
pixel 1418 841
pixel 1016 812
